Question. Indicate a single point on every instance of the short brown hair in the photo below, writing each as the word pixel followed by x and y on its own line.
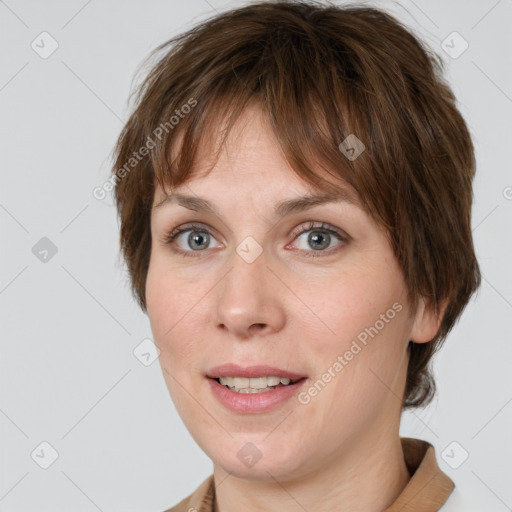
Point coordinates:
pixel 319 72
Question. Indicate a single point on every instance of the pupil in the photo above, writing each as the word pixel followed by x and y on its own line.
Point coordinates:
pixel 194 237
pixel 314 238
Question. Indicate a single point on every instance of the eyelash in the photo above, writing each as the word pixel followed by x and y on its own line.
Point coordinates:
pixel 311 225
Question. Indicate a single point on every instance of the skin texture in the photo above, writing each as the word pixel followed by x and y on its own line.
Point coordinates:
pixel 340 451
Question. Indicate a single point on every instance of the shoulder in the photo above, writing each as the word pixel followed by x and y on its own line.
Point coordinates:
pixel 198 501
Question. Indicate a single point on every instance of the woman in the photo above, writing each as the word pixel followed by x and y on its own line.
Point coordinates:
pixel 294 191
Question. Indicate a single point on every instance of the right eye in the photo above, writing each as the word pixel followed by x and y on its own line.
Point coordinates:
pixel 190 239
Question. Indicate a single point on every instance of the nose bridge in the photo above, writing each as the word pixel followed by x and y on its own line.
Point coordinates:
pixel 247 295
pixel 247 280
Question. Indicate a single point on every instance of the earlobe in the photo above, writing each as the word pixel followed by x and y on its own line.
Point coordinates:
pixel 427 321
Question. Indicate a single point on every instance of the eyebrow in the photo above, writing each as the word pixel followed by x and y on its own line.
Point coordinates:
pixel 282 209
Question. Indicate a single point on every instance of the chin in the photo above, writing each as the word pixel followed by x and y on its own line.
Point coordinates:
pixel 244 457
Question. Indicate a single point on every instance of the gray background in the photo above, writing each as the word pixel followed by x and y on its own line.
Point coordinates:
pixel 69 325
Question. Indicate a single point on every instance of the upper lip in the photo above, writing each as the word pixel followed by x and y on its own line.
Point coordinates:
pixel 235 370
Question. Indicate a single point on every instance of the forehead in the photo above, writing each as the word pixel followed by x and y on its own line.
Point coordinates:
pixel 250 156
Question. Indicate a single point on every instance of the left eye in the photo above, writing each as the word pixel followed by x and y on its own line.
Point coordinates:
pixel 319 237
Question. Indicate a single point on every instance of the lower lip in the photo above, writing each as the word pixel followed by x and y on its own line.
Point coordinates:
pixel 247 403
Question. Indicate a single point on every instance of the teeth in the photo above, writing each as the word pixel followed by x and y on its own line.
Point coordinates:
pixel 226 381
pixel 246 384
pixel 257 383
pixel 241 382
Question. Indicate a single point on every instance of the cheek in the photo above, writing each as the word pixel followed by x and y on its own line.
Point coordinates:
pixel 359 334
pixel 159 301
pixel 344 305
pixel 163 304
pixel 174 305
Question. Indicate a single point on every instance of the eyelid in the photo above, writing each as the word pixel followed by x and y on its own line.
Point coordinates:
pixel 188 226
pixel 311 225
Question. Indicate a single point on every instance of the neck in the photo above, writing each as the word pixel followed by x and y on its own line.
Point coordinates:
pixel 367 478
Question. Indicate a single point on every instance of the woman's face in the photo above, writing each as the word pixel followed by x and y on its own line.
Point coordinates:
pixel 314 292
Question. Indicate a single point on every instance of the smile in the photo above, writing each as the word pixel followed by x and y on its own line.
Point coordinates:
pixel 254 384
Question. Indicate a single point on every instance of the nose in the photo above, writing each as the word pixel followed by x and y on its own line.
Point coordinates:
pixel 249 299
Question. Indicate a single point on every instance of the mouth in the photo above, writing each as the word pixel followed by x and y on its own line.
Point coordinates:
pixel 252 385
pixel 251 389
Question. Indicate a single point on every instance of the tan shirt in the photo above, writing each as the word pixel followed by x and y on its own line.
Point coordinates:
pixel 426 491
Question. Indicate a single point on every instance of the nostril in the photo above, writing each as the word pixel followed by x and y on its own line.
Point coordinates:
pixel 258 327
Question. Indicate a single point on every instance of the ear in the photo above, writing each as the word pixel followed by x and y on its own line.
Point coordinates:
pixel 427 320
